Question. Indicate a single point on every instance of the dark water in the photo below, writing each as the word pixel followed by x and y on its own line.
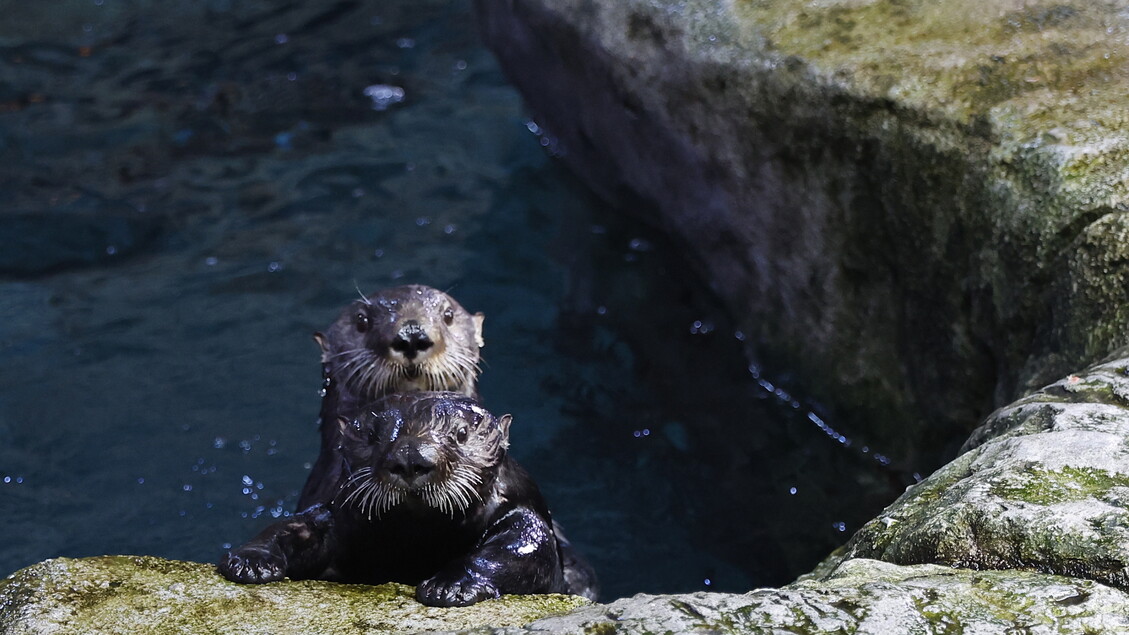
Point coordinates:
pixel 191 189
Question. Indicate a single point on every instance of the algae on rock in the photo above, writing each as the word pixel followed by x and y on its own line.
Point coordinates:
pixel 917 205
pixel 1044 485
pixel 142 594
pixel 867 596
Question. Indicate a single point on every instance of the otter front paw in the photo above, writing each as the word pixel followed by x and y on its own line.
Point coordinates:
pixel 461 588
pixel 252 566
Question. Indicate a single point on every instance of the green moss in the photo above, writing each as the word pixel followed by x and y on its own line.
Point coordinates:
pixel 1040 486
pixel 142 594
pixel 962 55
pixel 600 628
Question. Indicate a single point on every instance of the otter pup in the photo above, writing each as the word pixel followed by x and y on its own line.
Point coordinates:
pixel 400 339
pixel 429 496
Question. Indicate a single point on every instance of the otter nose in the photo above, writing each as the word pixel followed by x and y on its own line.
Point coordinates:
pixel 410 464
pixel 411 339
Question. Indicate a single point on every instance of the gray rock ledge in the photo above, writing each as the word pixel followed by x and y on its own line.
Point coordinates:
pixel 920 205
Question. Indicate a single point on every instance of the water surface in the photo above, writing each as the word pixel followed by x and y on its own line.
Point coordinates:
pixel 192 189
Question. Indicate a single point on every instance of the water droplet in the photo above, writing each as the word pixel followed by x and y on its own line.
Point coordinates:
pixel 707 582
pixel 187 487
pixel 701 327
pixel 219 443
pixel 281 38
pixel 274 266
pixel 639 244
pixel 384 95
pixel 211 261
pixel 423 221
pixel 283 140
pixel 449 229
pixel 247 480
pixel 141 480
pixel 601 310
pixel 792 491
pixel 111 250
pixel 460 65
pixel 379 253
pixel 405 43
pixel 292 76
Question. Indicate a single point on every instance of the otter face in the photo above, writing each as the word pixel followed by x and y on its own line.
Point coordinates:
pixel 422 449
pixel 404 339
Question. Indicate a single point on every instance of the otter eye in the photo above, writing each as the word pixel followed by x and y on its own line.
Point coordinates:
pixel 460 436
pixel 448 316
pixel 361 322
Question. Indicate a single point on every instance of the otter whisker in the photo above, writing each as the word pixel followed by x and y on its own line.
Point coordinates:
pixel 361 293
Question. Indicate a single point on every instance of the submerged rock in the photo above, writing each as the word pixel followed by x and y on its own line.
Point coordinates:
pixel 141 594
pixel 918 205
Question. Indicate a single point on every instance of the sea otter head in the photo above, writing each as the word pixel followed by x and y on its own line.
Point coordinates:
pixel 403 339
pixel 421 450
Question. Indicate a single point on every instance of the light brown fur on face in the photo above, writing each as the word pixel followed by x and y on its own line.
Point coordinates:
pixel 403 339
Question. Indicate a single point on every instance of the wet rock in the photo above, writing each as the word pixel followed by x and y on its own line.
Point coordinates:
pixel 140 594
pixel 866 596
pixel 919 206
pixel 1044 485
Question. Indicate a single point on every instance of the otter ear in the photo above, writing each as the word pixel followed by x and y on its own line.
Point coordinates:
pixel 504 422
pixel 478 318
pixel 323 344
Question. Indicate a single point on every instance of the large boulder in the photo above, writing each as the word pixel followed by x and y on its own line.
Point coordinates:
pixel 918 204
pixel 1044 485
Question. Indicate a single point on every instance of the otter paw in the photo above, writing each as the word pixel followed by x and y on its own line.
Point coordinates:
pixel 460 589
pixel 252 566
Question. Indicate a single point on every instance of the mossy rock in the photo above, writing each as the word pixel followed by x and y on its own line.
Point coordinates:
pixel 141 594
pixel 871 597
pixel 919 206
pixel 1044 485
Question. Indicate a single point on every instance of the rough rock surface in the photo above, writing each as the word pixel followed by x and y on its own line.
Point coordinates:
pixel 140 594
pixel 918 204
pixel 1044 486
pixel 126 594
pixel 866 596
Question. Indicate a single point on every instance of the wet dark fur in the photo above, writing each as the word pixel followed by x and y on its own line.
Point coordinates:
pixel 400 339
pixel 429 497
